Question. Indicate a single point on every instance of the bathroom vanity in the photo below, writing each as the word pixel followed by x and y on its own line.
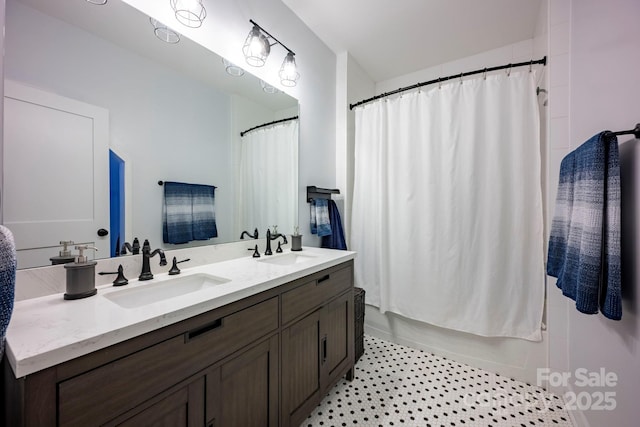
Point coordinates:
pixel 260 347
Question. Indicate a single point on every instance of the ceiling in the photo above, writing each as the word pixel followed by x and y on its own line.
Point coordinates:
pixel 390 38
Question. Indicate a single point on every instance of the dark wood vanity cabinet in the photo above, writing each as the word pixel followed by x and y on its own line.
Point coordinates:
pixel 244 390
pixel 266 360
pixel 183 407
pixel 317 348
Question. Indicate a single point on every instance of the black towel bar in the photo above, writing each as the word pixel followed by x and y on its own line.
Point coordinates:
pixel 635 132
pixel 314 192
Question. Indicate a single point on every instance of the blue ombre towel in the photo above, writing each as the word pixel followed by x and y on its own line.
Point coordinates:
pixel 320 222
pixel 8 264
pixel 584 245
pixel 189 212
pixel 204 215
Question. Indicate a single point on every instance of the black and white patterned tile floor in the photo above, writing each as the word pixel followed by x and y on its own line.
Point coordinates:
pixel 396 385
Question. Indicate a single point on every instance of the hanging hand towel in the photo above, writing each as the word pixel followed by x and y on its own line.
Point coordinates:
pixel 320 222
pixel 312 214
pixel 176 224
pixel 584 246
pixel 335 240
pixel 8 265
pixel 204 216
pixel 189 212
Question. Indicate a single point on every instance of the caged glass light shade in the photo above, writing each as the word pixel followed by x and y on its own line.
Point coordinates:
pixel 289 71
pixel 98 2
pixel 256 48
pixel 266 87
pixel 189 12
pixel 163 32
pixel 232 68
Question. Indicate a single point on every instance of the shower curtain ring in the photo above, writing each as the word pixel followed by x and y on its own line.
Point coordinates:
pixel 439 83
pixel 509 71
pixel 530 65
pixel 461 78
pixel 485 73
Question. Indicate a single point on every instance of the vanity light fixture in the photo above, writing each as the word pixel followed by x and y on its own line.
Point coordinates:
pixel 189 12
pixel 232 68
pixel 266 87
pixel 257 47
pixel 163 32
pixel 288 72
pixel 98 2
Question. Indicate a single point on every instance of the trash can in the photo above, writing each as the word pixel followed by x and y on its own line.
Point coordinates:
pixel 358 303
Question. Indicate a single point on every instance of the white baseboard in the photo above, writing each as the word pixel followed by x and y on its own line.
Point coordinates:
pixel 515 358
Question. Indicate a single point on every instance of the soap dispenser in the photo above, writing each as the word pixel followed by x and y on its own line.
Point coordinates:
pixel 81 275
pixel 65 255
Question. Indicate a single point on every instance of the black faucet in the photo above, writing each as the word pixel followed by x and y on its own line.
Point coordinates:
pixel 120 280
pixel 146 254
pixel 134 249
pixel 174 268
pixel 271 237
pixel 254 236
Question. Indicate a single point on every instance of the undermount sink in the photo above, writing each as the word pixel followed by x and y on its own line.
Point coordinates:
pixel 154 292
pixel 287 259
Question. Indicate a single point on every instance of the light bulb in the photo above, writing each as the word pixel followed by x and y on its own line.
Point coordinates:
pixel 288 72
pixel 190 4
pixel 256 48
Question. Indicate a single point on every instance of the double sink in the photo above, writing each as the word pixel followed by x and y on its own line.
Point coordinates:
pixel 154 292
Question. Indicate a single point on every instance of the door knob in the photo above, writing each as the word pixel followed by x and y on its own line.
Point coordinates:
pixel 102 232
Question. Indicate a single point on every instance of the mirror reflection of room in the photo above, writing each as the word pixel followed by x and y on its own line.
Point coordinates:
pixel 117 111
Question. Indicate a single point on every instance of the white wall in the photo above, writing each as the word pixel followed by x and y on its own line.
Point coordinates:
pixel 353 84
pixel 165 126
pixel 2 32
pixel 559 146
pixel 224 31
pixel 594 87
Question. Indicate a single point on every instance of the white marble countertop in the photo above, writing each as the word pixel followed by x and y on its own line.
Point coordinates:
pixel 49 330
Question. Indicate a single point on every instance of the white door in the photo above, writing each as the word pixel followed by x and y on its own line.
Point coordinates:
pixel 56 173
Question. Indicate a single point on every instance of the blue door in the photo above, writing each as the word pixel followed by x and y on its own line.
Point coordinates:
pixel 116 192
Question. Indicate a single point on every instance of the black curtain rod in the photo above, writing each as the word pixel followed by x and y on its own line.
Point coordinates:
pixel 542 61
pixel 268 124
pixel 635 132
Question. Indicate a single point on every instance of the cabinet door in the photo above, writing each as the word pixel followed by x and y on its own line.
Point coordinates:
pixel 301 369
pixel 243 391
pixel 182 408
pixel 337 339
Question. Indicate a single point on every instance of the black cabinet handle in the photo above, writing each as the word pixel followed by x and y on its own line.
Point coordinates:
pixel 194 333
pixel 324 278
pixel 102 232
pixel 324 349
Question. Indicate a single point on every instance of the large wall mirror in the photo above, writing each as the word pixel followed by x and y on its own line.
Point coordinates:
pixel 95 102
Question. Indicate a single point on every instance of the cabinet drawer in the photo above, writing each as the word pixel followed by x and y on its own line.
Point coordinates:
pixel 105 392
pixel 314 293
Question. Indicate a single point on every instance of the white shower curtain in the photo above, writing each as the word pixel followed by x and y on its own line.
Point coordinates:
pixel 268 187
pixel 447 207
